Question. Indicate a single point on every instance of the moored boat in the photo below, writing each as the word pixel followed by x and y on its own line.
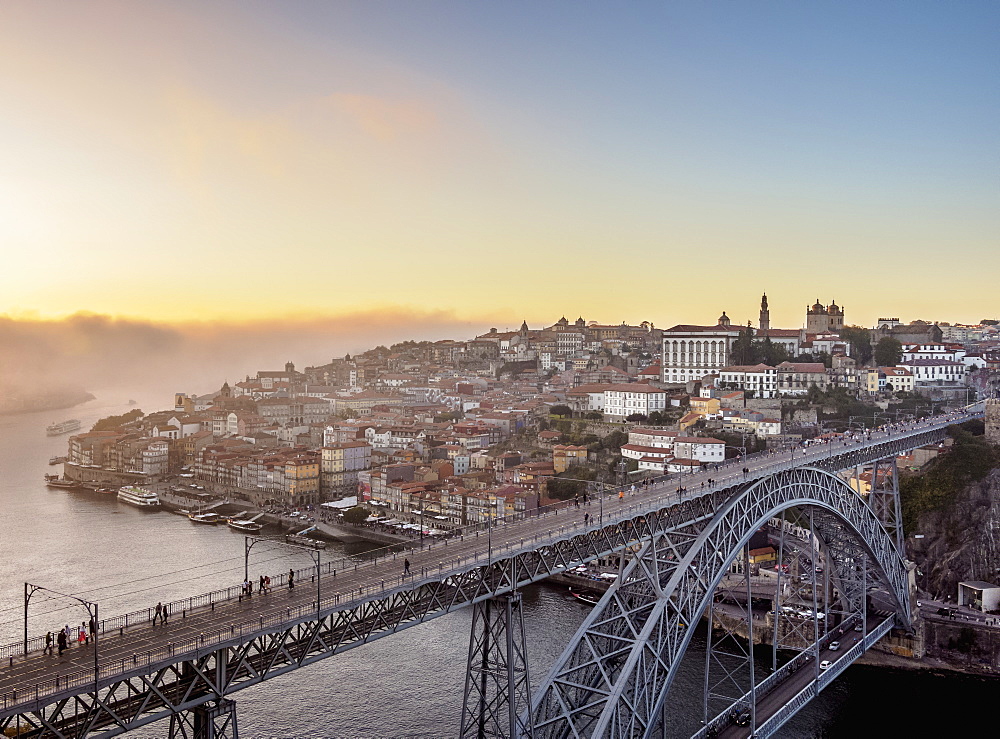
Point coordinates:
pixel 305 541
pixel 138 497
pixel 54 481
pixel 243 525
pixel 209 518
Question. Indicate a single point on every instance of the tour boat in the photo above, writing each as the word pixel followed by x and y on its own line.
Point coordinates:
pixel 63 427
pixel 53 481
pixel 209 518
pixel 305 541
pixel 584 598
pixel 242 525
pixel 138 497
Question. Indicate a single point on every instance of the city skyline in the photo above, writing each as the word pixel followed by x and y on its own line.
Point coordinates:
pixel 180 163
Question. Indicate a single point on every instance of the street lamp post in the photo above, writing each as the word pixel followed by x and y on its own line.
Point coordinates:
pixel 250 541
pixel 92 610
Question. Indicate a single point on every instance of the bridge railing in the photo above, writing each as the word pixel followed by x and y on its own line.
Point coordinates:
pixel 615 514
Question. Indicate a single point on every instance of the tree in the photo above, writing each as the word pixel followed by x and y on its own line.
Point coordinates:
pixel 561 410
pixel 636 418
pixel 594 416
pixel 989 322
pixel 656 418
pixel 615 440
pixel 357 514
pixel 110 423
pixel 743 349
pixel 860 340
pixel 770 353
pixel 888 352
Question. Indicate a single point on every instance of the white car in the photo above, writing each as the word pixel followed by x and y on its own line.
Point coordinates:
pixel 825 664
pixel 834 646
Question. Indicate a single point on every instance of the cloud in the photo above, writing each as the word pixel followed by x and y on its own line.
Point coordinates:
pixel 101 352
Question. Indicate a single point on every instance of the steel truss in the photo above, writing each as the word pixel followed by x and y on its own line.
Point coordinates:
pixel 612 680
pixel 129 697
pixel 208 721
pixel 497 686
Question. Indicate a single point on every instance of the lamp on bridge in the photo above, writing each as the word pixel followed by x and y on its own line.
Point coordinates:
pixel 92 611
pixel 250 541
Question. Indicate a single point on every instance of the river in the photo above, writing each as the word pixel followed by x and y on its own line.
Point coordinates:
pixel 406 685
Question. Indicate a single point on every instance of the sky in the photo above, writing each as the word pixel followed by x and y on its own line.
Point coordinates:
pixel 449 164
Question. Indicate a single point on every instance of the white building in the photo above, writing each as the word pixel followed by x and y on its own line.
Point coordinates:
pixel 931 351
pixel 622 401
pixel 701 448
pixel 691 352
pixel 934 372
pixel 760 379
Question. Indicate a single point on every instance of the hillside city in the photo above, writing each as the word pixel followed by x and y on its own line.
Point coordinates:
pixel 455 432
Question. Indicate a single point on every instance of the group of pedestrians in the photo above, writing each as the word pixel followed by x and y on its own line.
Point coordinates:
pixel 62 638
pixel 263 585
pixel 160 614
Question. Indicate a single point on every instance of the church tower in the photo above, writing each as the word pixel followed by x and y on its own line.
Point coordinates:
pixel 765 315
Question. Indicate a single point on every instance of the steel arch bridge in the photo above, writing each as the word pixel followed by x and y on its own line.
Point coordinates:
pixel 614 677
pixel 235 646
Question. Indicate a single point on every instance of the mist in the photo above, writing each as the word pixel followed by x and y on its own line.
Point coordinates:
pixel 101 353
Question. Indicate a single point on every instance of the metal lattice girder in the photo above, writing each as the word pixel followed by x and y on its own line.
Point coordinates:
pixel 884 498
pixel 614 676
pixel 209 721
pixel 497 685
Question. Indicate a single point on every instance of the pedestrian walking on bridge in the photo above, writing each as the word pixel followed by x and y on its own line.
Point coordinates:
pixel 157 613
pixel 291 579
pixel 48 643
pixel 61 642
pixel 262 588
pixel 406 566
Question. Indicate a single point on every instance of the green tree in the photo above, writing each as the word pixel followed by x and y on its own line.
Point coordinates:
pixel 615 440
pixel 860 340
pixel 561 410
pixel 770 353
pixel 888 352
pixel 110 423
pixel 357 514
pixel 594 416
pixel 743 349
pixel 636 418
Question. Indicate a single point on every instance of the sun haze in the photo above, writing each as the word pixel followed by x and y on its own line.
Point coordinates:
pixel 235 161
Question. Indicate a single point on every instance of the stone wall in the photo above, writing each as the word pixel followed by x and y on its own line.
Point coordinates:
pixel 993 420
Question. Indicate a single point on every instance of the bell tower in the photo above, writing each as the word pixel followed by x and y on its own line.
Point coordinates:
pixel 765 315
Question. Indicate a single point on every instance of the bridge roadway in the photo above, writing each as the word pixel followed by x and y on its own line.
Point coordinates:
pixel 27 684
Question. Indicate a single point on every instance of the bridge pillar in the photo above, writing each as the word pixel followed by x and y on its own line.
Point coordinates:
pixel 215 720
pixel 497 688
pixel 884 500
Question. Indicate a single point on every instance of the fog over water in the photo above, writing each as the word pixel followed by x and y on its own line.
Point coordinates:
pixel 113 356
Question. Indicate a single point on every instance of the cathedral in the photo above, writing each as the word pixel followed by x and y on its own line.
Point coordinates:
pixel 820 320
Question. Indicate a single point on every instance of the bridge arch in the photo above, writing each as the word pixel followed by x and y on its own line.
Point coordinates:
pixel 613 678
